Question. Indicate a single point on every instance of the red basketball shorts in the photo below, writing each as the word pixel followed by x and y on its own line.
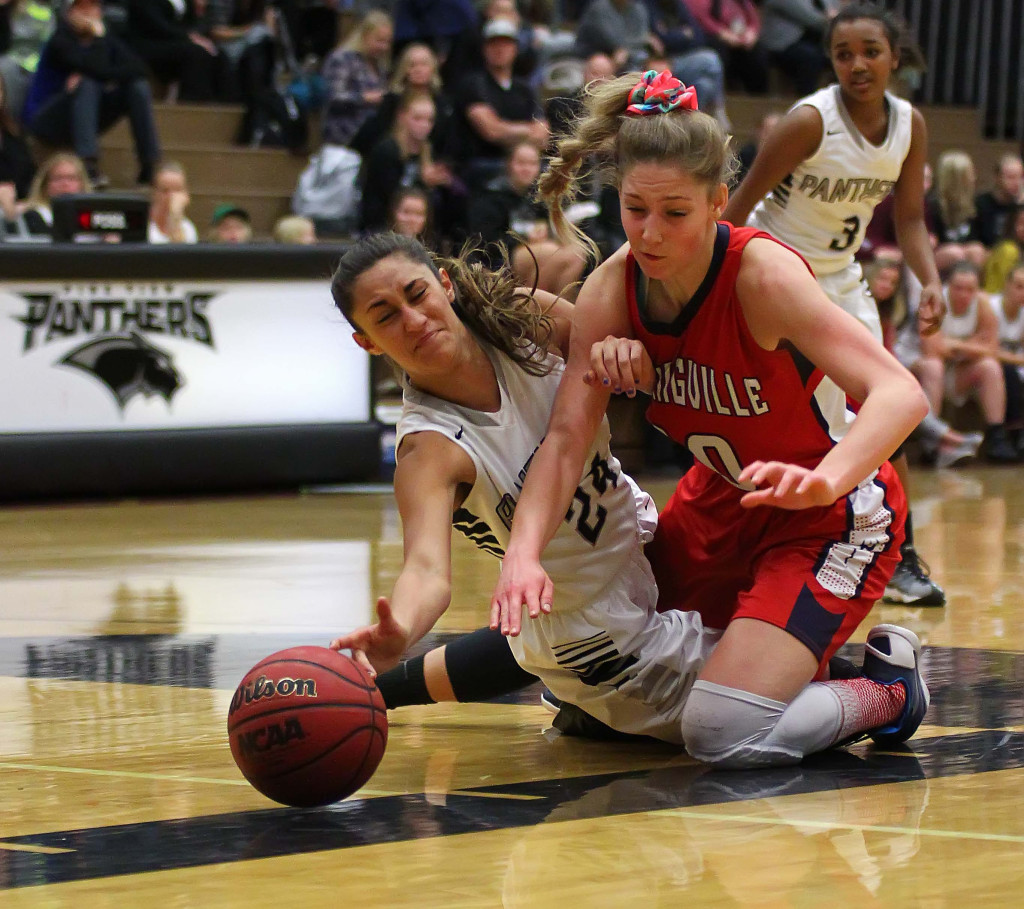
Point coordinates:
pixel 815 573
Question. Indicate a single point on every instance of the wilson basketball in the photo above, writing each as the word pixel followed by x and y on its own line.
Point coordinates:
pixel 307 726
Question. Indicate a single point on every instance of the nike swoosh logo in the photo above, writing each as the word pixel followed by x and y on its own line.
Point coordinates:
pixel 833 132
pixel 458 435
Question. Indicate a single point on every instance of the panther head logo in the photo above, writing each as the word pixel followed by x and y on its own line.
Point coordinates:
pixel 128 365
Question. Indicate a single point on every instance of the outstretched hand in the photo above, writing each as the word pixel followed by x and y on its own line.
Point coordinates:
pixel 378 647
pixel 523 582
pixel 786 486
pixel 622 365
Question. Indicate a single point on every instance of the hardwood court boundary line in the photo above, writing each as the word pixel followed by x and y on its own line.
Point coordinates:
pixel 139 775
pixel 132 774
pixel 38 850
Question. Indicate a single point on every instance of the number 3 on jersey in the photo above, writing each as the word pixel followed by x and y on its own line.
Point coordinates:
pixel 849 235
pixel 718 455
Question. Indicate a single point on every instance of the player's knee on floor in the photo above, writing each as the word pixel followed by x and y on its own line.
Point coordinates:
pixel 731 729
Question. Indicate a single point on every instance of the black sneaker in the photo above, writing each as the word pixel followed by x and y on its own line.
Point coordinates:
pixel 998 449
pixel 893 655
pixel 911 583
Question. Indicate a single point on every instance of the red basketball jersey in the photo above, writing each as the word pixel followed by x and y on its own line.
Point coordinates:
pixel 718 392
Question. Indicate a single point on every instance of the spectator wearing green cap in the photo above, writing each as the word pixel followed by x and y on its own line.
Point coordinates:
pixel 230 224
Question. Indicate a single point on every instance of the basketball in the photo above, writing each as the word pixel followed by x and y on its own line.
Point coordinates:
pixel 307 726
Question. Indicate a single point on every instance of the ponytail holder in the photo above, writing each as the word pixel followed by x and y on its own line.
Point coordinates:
pixel 658 93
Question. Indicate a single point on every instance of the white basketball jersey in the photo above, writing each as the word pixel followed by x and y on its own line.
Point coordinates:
pixel 603 647
pixel 1011 333
pixel 608 506
pixel 822 209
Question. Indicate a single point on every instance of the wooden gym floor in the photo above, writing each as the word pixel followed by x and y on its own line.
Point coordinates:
pixel 125 626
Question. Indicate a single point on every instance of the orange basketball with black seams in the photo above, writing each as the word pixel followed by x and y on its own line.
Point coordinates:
pixel 307 726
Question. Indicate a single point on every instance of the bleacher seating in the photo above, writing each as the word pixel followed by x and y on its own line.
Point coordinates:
pixel 261 180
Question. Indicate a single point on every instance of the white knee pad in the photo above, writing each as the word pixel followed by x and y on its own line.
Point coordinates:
pixel 734 729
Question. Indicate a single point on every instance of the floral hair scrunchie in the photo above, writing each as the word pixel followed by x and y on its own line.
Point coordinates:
pixel 658 93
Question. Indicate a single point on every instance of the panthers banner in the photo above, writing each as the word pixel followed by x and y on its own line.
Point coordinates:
pixel 96 355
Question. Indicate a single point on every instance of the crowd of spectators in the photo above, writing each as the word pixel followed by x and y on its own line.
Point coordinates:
pixel 449 107
pixel 434 95
pixel 978 353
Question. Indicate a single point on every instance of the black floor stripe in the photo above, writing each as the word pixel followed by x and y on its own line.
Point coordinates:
pixel 191 842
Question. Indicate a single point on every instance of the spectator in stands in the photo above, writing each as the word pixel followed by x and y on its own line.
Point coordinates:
pixel 950 206
pixel 471 50
pixel 495 110
pixel 792 32
pixel 993 207
pixel 941 445
pixel 356 75
pixel 443 25
pixel 168 203
pixel 244 32
pixel 230 224
pixel 60 175
pixel 967 345
pixel 1007 253
pixel 619 28
pixel 86 81
pixel 507 212
pixel 402 158
pixel 410 213
pixel 688 53
pixel 733 28
pixel 1009 308
pixel 416 69
pixel 562 111
pixel 16 165
pixel 885 281
pixel 166 34
pixel 294 230
pixel 25 26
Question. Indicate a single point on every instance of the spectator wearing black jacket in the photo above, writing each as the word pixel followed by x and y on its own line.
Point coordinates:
pixel 86 81
pixel 402 158
pixel 993 207
pixel 16 167
pixel 167 37
pixel 507 212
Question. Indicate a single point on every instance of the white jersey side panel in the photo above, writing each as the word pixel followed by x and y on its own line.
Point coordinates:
pixel 604 647
pixel 822 209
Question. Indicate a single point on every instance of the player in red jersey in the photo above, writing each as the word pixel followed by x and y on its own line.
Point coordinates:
pixel 788 526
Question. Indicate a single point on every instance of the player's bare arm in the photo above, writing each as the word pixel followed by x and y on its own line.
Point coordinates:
pixel 911 231
pixel 793 140
pixel 783 303
pixel 430 472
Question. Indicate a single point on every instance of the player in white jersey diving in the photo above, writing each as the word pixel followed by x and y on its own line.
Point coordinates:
pixel 817 179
